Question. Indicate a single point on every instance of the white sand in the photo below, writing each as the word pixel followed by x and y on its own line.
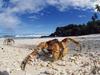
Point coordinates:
pixel 74 63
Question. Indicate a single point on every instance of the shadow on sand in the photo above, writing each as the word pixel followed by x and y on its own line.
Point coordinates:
pixel 4 73
pixel 45 57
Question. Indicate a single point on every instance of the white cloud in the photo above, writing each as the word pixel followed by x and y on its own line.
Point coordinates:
pixel 8 19
pixel 65 4
pixel 28 5
pixel 38 5
pixel 81 16
pixel 34 6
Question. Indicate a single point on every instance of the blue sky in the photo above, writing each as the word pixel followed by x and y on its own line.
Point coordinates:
pixel 43 16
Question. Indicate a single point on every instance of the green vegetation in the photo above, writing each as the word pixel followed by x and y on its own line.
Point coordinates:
pixel 92 27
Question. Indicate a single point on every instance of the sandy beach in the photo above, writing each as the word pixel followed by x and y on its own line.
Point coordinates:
pixel 86 62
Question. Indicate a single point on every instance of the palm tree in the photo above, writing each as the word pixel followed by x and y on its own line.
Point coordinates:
pixel 98 8
pixel 94 17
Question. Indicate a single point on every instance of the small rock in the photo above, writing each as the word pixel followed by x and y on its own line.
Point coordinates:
pixel 86 64
pixel 44 64
pixel 62 72
pixel 61 63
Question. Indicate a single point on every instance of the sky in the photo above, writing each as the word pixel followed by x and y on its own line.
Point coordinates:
pixel 43 16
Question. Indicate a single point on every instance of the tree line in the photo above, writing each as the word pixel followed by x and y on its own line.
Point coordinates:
pixel 91 27
pixel 75 30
